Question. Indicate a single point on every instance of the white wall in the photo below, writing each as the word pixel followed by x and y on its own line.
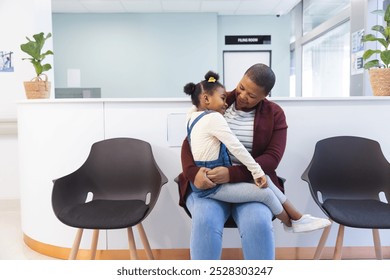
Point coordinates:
pixel 18 19
pixel 135 55
pixel 9 183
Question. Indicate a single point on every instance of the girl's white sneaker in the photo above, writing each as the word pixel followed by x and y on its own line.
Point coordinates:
pixel 309 223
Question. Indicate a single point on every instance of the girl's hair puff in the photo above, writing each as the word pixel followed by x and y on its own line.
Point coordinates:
pixel 208 86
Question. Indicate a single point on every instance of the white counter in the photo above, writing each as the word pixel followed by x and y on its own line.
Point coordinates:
pixel 55 137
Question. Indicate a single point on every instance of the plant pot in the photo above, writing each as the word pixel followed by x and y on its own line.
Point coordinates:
pixel 37 88
pixel 380 81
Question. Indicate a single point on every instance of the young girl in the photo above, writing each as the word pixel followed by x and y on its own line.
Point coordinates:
pixel 210 137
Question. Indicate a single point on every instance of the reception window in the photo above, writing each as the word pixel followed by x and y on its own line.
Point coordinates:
pixel 326 64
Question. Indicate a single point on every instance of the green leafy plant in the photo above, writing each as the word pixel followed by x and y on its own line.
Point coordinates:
pixel 383 38
pixel 34 49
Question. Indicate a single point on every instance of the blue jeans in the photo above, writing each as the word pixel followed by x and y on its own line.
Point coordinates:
pixel 253 219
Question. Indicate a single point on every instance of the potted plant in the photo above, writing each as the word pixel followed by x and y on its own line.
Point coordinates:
pixel 378 67
pixel 39 86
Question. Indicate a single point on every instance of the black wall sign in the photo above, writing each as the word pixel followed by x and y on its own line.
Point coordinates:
pixel 248 40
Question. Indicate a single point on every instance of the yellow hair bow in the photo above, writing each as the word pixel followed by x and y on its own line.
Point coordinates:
pixel 212 80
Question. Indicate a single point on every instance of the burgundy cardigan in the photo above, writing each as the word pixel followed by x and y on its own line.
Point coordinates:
pixel 269 143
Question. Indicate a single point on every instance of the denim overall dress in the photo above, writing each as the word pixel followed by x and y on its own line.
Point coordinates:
pixel 222 160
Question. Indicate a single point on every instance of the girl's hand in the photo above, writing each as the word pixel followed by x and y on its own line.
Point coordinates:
pixel 261 182
pixel 202 181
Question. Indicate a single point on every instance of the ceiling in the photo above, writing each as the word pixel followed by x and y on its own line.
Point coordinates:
pixel 221 7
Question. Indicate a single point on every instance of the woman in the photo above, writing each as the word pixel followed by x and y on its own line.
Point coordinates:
pixel 261 126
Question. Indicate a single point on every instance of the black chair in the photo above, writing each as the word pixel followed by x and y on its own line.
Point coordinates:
pixel 346 176
pixel 117 187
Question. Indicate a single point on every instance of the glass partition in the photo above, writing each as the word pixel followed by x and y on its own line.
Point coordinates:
pixel 326 64
pixel 316 12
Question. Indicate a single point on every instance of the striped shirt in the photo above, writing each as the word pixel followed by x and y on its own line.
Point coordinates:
pixel 241 124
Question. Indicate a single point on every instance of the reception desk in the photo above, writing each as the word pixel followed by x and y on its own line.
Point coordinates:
pixel 55 137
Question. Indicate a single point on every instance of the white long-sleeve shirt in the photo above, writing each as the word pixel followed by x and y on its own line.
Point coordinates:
pixel 207 134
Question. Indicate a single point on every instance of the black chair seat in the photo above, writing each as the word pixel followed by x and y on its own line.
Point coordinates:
pixel 104 214
pixel 358 213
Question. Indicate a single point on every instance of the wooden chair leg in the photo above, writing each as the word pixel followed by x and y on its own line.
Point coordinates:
pixel 145 241
pixel 322 242
pixel 377 243
pixel 132 247
pixel 95 238
pixel 339 243
pixel 76 245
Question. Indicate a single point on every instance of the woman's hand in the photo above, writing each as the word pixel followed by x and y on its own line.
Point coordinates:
pixel 219 175
pixel 201 179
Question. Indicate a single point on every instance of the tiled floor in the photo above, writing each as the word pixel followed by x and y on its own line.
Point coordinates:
pixel 12 246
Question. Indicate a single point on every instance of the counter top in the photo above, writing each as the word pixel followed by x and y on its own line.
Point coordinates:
pixel 184 99
pixel 99 100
